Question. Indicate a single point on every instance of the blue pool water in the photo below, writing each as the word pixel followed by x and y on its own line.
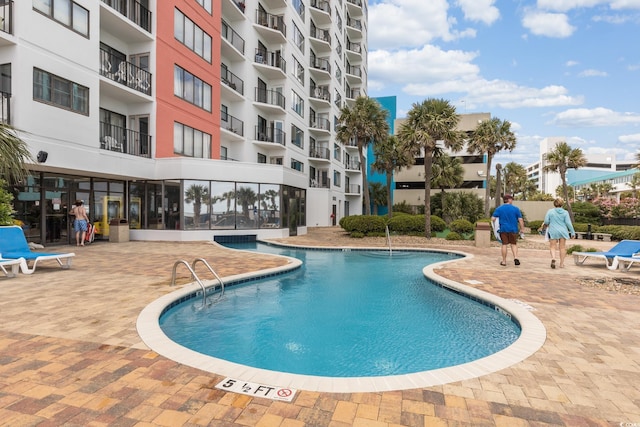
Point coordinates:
pixel 343 314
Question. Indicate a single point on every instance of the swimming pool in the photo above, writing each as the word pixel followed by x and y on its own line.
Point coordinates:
pixel 278 341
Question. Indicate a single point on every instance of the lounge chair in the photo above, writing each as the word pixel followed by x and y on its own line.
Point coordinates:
pixel 625 248
pixel 13 263
pixel 625 262
pixel 13 245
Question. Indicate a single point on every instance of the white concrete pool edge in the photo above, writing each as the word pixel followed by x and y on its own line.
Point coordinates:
pixel 530 341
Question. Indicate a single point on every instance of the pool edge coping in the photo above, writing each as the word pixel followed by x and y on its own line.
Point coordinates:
pixel 531 339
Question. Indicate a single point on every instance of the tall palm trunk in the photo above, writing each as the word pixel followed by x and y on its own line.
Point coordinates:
pixel 428 167
pixel 487 189
pixel 365 184
pixel 389 199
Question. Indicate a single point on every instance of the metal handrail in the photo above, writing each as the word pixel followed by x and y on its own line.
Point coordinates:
pixel 204 261
pixel 193 276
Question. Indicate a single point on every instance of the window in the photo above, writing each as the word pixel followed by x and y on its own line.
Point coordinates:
pixel 297 165
pixel 54 90
pixel 338 73
pixel 337 181
pixel 298 38
pixel 191 142
pixel 338 47
pixel 206 4
pixel 336 152
pixel 299 7
pixel 297 103
pixel 339 20
pixel 262 158
pixel 192 36
pixel 224 151
pixel 66 12
pixel 297 136
pixel 298 70
pixel 191 88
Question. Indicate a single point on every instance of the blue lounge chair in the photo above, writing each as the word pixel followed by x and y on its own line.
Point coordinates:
pixel 625 248
pixel 13 245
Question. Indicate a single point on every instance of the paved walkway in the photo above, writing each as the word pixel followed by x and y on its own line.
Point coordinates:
pixel 70 354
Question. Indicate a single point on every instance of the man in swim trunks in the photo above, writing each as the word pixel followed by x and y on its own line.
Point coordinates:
pixel 81 222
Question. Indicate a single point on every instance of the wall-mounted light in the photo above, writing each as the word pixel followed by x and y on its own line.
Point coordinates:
pixel 42 156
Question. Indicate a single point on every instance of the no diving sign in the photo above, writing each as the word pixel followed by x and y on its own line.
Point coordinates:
pixel 257 390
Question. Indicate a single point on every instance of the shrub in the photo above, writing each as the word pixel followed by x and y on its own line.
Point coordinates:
pixel 403 207
pixel 6 208
pixel 407 224
pixel 454 236
pixel 585 212
pixel 357 235
pixel 535 225
pixel 437 223
pixel 365 224
pixel 461 226
pixel 578 248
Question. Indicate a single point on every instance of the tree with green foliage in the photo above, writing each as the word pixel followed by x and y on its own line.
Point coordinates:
pixel 14 155
pixel 6 208
pixel 390 156
pixel 197 194
pixel 490 137
pixel 430 126
pixel 447 173
pixel 634 183
pixel 363 123
pixel 561 158
pixel 378 194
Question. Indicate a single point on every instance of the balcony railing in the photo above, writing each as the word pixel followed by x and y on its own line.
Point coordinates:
pixel 240 5
pixel 352 189
pixel 354 71
pixel 356 2
pixel 320 153
pixel 354 47
pixel 321 182
pixel 270 97
pixel 321 64
pixel 133 10
pixel 231 80
pixel 321 123
pixel 6 16
pixel 126 73
pixel 273 59
pixel 320 92
pixel 275 22
pixel 230 123
pixel 319 33
pixel 353 93
pixel 116 138
pixel 277 136
pixel 232 37
pixel 352 165
pixel 321 5
pixel 354 23
pixel 5 108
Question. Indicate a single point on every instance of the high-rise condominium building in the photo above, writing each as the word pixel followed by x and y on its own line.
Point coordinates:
pixel 187 118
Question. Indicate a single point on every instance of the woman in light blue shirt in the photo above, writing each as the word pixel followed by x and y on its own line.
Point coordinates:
pixel 558 228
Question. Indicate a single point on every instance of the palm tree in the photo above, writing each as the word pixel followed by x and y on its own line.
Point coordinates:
pixel 378 195
pixel 515 175
pixel 246 197
pixel 429 124
pixel 447 173
pixel 228 196
pixel 390 155
pixel 561 158
pixel 14 155
pixel 634 183
pixel 196 194
pixel 365 122
pixel 490 137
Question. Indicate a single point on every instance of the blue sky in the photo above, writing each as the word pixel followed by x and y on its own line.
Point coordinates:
pixel 566 68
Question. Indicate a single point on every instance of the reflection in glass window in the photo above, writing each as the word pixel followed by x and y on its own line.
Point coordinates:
pixel 270 200
pixel 197 208
pixel 247 205
pixel 223 205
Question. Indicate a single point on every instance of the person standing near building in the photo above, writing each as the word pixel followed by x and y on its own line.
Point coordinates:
pixel 81 222
pixel 510 225
pixel 557 224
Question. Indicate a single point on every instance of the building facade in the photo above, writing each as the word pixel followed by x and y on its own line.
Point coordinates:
pixel 185 118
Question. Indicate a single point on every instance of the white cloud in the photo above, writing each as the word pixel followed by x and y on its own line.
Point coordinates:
pixel 584 117
pixel 566 5
pixel 479 10
pixel 554 25
pixel 592 73
pixel 571 63
pixel 398 24
pixel 630 139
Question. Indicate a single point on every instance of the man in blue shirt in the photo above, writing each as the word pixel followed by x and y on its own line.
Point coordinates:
pixel 511 225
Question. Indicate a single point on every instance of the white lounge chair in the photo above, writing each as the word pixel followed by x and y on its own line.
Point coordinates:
pixel 14 246
pixel 625 262
pixel 13 264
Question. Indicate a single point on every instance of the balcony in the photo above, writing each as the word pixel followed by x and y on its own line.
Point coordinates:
pixel 319 153
pixel 320 124
pixel 352 189
pixel 354 27
pixel 352 165
pixel 5 108
pixel 271 27
pixel 320 11
pixel 270 137
pixel 231 80
pixel 134 12
pixel 320 182
pixel 354 51
pixel 6 22
pixel 354 74
pixel 232 45
pixel 232 124
pixel 355 7
pixel 270 98
pixel 121 140
pixel 320 93
pixel 125 73
pixel 272 64
pixel 320 67
pixel 320 39
pixel 352 95
pixel 233 10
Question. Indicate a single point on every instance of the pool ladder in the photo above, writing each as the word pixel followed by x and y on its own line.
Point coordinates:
pixel 194 276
